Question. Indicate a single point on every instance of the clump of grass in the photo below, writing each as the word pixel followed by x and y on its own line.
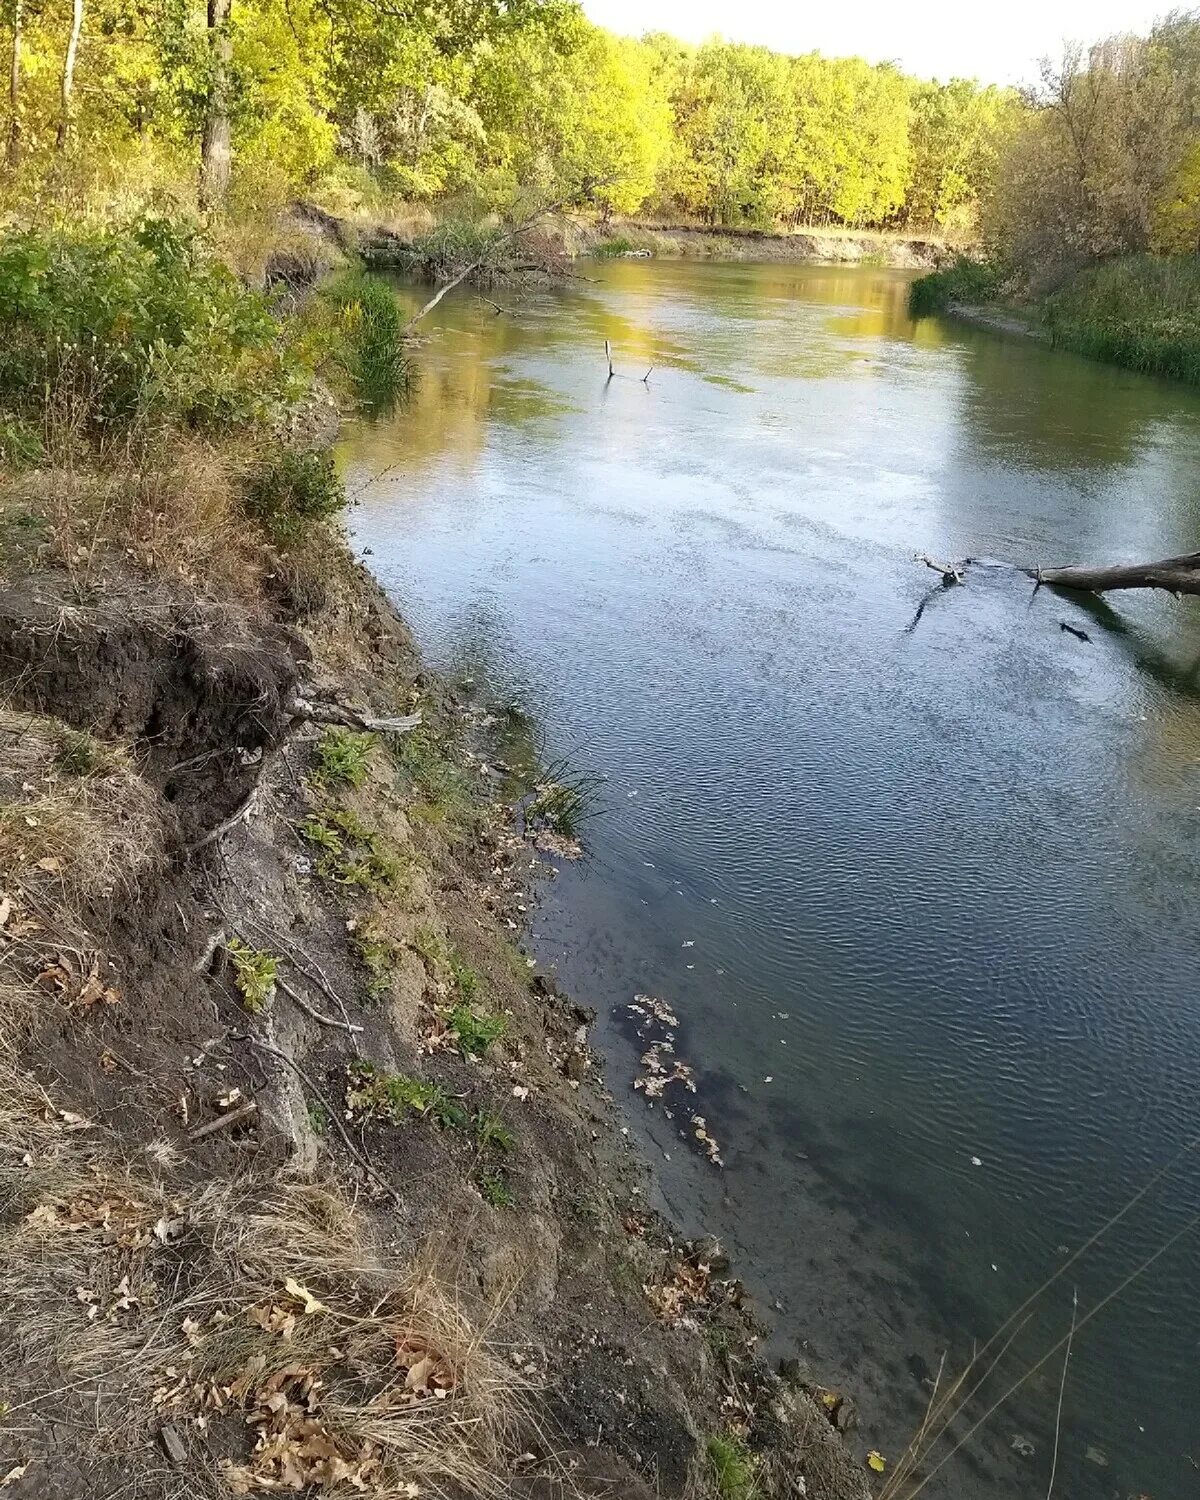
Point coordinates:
pixel 426 758
pixel 732 1467
pixel 371 331
pixel 432 949
pixel 90 830
pixel 490 1130
pixel 395 1096
pixel 494 1189
pixel 79 753
pixel 463 977
pixel 1142 312
pixel 970 282
pixel 255 972
pixel 352 854
pixel 475 1031
pixel 343 756
pixel 618 244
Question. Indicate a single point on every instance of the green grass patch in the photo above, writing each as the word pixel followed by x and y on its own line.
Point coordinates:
pixel 343 756
pixel 490 1130
pixel 426 758
pixel 732 1467
pixel 380 957
pixel 255 973
pixel 967 281
pixel 370 339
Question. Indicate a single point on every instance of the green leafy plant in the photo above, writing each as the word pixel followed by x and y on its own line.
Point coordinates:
pixel 475 1030
pixel 494 1188
pixel 343 755
pixel 395 1096
pixel 379 957
pixel 352 854
pixel 255 974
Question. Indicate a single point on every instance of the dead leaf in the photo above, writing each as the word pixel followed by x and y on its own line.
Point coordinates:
pixel 302 1294
pixel 5 909
pixel 51 865
pixel 13 1475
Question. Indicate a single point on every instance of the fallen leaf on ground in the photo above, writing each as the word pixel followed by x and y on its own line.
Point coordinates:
pixel 876 1461
pixel 302 1294
pixel 13 1475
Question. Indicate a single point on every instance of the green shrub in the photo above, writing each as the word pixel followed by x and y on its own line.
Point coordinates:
pixel 967 281
pixel 1142 312
pixel 293 491
pixel 103 328
pixel 620 244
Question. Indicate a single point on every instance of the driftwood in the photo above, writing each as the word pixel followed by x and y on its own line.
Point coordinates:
pixel 225 1122
pixel 1178 575
pixel 351 718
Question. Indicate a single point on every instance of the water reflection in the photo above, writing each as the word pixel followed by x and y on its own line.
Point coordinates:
pixel 939 874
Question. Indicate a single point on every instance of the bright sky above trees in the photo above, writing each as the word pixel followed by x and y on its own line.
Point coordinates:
pixel 999 44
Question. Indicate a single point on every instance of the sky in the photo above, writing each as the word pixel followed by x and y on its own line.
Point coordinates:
pixel 995 43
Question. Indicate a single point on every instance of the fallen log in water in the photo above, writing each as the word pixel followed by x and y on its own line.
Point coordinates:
pixel 1178 575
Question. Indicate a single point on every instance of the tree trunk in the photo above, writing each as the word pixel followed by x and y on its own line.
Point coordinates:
pixel 13 154
pixel 215 143
pixel 1179 575
pixel 66 112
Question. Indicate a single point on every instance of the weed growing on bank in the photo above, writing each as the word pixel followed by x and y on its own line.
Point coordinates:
pixel 732 1468
pixel 1142 312
pixel 967 281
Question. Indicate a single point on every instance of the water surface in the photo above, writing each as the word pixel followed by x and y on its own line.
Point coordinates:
pixel 917 868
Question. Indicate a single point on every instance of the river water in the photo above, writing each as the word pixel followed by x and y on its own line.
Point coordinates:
pixel 916 868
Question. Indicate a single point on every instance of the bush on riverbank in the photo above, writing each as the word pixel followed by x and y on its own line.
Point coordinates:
pixel 967 281
pixel 1142 312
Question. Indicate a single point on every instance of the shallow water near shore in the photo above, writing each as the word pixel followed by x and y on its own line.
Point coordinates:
pixel 917 869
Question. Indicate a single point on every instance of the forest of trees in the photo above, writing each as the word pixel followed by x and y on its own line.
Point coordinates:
pixel 428 100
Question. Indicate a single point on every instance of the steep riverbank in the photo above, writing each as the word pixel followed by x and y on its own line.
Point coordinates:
pixel 309 1178
pixel 833 246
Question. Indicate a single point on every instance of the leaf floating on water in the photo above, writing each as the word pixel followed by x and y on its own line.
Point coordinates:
pixel 876 1461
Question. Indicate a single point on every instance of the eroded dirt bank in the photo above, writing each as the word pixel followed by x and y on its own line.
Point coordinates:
pixel 310 1180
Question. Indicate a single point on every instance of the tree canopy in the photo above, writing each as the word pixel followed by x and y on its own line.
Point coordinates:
pixel 430 98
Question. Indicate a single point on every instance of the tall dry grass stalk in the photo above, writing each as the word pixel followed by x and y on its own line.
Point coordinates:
pixel 905 1483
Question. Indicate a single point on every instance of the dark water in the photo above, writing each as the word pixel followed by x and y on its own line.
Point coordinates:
pixel 922 890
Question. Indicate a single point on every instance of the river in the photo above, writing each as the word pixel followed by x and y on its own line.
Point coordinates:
pixel 917 868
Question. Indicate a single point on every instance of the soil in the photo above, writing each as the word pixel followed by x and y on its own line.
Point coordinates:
pixel 641 1344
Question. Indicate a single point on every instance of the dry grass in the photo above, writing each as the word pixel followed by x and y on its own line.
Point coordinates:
pixel 268 1315
pixel 173 508
pixel 76 820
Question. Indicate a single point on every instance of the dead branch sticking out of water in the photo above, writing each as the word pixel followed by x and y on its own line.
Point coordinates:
pixel 951 572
